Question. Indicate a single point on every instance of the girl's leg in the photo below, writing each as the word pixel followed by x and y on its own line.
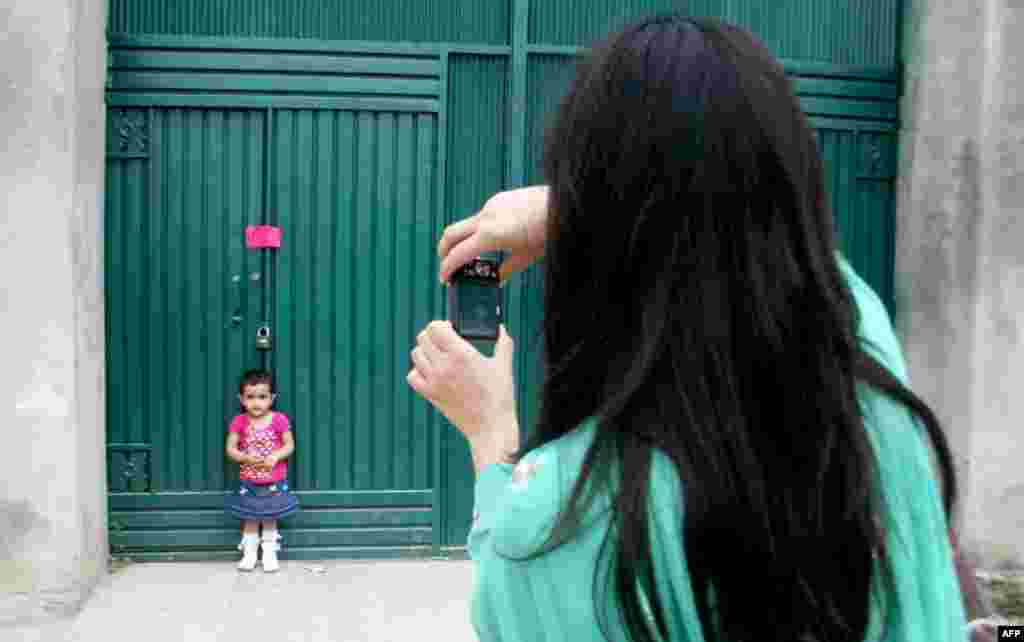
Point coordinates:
pixel 270 546
pixel 250 545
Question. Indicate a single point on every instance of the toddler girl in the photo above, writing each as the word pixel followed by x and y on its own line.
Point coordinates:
pixel 260 440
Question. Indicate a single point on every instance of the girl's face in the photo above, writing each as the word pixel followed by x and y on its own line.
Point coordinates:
pixel 257 399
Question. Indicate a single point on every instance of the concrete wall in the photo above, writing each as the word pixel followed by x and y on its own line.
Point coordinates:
pixel 53 545
pixel 960 251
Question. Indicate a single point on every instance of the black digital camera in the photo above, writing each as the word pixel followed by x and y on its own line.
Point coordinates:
pixel 474 300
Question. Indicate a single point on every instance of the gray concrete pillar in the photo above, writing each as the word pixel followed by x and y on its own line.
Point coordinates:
pixel 53 545
pixel 960 252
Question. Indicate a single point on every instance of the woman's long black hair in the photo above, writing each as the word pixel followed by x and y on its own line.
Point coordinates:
pixel 694 304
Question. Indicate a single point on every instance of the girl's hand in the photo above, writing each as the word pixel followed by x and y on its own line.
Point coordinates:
pixel 513 222
pixel 269 462
pixel 476 393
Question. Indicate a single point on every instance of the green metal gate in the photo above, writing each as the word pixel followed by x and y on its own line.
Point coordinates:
pixel 361 128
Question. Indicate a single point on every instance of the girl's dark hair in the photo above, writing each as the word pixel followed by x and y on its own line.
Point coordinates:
pixel 694 305
pixel 255 377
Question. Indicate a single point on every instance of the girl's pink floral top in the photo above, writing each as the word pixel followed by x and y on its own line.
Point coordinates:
pixel 261 442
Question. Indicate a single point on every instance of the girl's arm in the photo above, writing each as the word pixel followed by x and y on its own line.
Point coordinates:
pixel 283 452
pixel 236 455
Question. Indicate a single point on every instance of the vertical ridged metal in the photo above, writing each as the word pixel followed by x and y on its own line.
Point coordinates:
pixel 354 198
pixel 845 32
pixel 173 246
pixel 863 202
pixel 477 21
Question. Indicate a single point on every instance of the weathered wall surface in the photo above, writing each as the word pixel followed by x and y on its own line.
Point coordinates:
pixel 53 545
pixel 960 251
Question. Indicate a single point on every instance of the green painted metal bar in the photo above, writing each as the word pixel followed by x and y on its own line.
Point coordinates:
pixel 362 365
pixel 315 518
pixel 193 386
pixel 809 68
pixel 219 311
pixel 841 124
pixel 179 539
pixel 260 101
pixel 322 85
pixel 407 235
pixel 422 21
pixel 555 50
pixel 846 88
pixel 322 366
pixel 852 109
pixel 230 553
pixel 344 290
pixel 382 499
pixel 424 49
pixel 385 376
pixel 229 60
pixel 439 218
pixel 175 456
pixel 515 170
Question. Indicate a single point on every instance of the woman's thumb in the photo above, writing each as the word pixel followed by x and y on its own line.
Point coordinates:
pixel 505 347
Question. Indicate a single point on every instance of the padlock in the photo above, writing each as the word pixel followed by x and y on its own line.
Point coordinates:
pixel 263 340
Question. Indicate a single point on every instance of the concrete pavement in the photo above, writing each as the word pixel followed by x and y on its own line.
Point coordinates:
pixel 336 601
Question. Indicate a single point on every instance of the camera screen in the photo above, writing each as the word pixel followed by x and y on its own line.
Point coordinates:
pixel 478 305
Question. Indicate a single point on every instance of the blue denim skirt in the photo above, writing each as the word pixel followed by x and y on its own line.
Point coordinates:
pixel 262 501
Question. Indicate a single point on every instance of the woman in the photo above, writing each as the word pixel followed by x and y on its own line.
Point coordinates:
pixel 726 448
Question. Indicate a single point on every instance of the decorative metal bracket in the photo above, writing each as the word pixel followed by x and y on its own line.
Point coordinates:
pixel 877 157
pixel 128 468
pixel 128 133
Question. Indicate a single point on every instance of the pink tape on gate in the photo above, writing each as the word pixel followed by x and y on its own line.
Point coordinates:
pixel 262 236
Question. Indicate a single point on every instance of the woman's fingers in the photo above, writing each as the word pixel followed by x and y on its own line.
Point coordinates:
pixel 456 233
pixel 419 384
pixel 430 350
pixel 460 255
pixel 420 361
pixel 460 244
pixel 442 335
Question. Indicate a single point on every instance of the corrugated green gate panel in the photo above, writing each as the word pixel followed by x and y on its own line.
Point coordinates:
pixel 356 194
pixel 181 305
pixel 162 71
pixel 849 32
pixel 357 191
pixel 372 20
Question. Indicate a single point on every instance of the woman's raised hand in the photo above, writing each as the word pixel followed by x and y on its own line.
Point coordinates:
pixel 513 222
pixel 475 392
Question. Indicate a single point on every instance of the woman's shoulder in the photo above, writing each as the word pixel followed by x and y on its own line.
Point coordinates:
pixel 542 483
pixel 875 329
pixel 538 491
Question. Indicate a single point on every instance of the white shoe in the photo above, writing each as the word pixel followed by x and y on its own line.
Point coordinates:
pixel 249 547
pixel 269 548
